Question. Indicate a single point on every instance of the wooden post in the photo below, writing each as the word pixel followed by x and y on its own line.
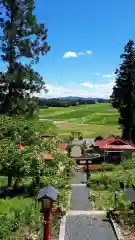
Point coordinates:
pixel 47 233
pixel 47 222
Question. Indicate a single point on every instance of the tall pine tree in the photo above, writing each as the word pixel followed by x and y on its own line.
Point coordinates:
pixel 123 96
pixel 22 37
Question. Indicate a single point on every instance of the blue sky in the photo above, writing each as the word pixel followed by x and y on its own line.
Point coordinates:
pixel 86 38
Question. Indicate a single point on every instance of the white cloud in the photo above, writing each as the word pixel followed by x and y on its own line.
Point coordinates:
pixel 85 89
pixel 70 54
pixel 109 75
pixel 89 52
pixel 102 90
pixel 97 74
pixel 81 53
pixel 86 84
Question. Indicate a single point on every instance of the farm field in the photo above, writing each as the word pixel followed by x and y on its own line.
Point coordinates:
pixel 91 120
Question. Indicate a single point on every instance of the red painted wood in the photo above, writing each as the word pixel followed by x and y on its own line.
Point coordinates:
pixel 47 223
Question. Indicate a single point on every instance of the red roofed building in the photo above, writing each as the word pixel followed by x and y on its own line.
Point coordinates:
pixel 113 148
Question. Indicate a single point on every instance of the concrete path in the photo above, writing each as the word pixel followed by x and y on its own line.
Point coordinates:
pixel 78 177
pixel 81 222
pixel 80 193
pixel 79 198
pixel 84 227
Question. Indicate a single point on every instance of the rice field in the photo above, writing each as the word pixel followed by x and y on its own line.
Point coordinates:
pixel 91 120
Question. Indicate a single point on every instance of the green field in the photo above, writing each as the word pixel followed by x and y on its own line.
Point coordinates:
pixel 91 120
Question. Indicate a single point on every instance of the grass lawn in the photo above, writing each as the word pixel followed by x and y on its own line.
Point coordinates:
pixel 91 120
pixel 100 113
pixel 90 130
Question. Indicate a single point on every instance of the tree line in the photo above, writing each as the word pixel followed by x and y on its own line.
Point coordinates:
pixel 55 102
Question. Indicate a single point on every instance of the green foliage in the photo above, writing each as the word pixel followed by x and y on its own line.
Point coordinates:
pixel 83 148
pixel 111 180
pixel 15 163
pixel 103 200
pixel 108 167
pixel 123 95
pixel 71 138
pixel 16 213
pixel 21 36
pixel 129 163
pixel 46 128
pixel 18 130
pixel 22 213
pixel 98 138
pixel 20 216
pixel 103 185
pixel 80 137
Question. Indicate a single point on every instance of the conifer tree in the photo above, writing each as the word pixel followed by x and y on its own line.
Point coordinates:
pixel 22 38
pixel 123 96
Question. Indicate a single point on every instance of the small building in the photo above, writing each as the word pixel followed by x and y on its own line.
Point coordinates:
pixel 113 149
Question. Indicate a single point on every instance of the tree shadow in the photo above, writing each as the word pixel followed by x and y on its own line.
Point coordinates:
pixel 11 192
pixel 20 191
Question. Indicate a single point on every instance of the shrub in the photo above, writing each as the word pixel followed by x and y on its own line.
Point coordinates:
pixel 98 138
pixel 18 212
pixel 108 167
pixel 45 128
pixel 128 163
pixel 80 137
pixel 71 138
pixel 27 165
pixel 104 200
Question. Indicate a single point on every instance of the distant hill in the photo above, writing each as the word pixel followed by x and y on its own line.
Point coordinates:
pixel 75 98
